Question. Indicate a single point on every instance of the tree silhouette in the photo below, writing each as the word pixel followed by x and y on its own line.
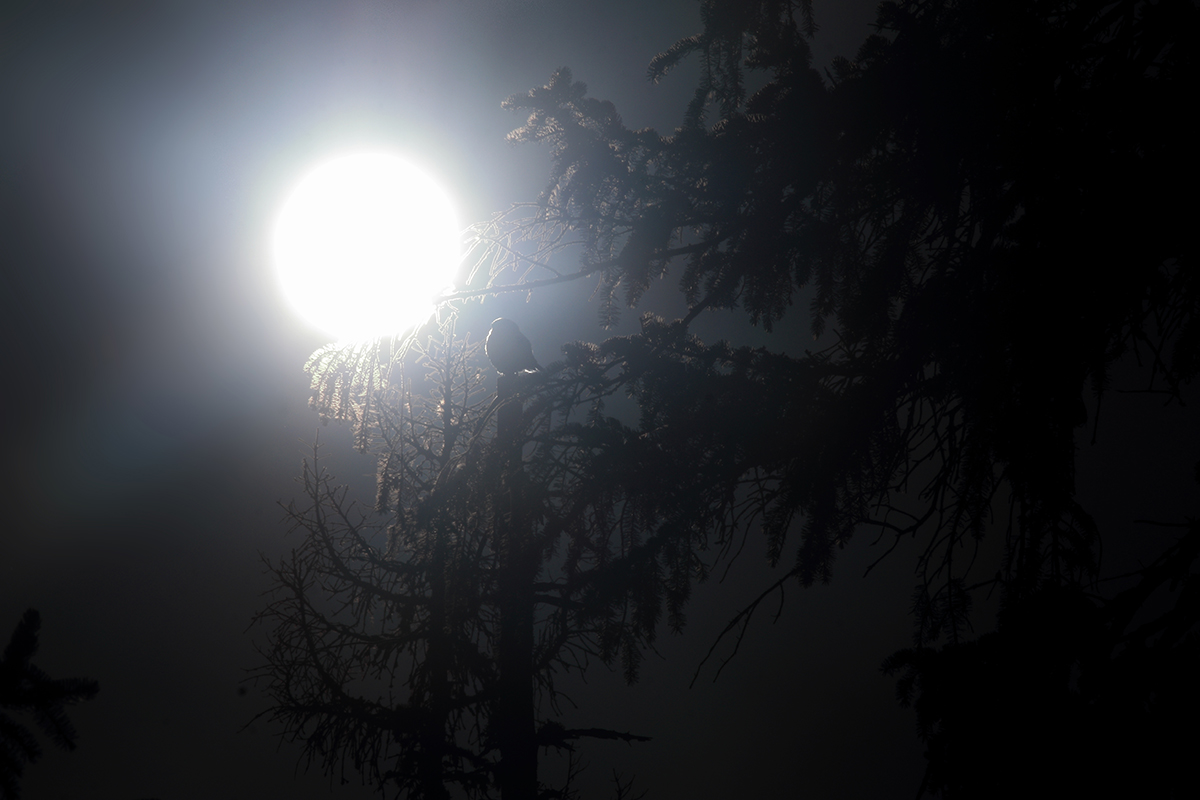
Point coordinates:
pixel 980 211
pixel 419 642
pixel 26 688
pixel 981 214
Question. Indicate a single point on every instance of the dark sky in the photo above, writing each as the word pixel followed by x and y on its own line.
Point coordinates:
pixel 155 406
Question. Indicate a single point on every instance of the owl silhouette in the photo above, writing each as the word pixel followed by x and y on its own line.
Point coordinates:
pixel 508 349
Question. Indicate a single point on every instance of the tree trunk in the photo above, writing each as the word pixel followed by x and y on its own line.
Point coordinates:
pixel 514 722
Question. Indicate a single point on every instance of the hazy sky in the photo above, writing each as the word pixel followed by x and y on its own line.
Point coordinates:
pixel 157 407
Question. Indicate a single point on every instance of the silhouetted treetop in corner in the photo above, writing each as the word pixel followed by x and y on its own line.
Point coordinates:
pixel 24 688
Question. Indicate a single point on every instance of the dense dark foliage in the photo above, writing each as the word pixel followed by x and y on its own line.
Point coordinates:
pixel 981 208
pixel 983 211
pixel 1080 695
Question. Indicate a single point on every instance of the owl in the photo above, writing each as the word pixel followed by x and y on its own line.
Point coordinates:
pixel 508 349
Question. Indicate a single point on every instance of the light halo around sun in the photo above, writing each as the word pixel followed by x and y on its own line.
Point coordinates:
pixel 364 244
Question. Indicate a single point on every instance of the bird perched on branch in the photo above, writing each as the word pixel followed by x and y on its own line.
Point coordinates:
pixel 508 349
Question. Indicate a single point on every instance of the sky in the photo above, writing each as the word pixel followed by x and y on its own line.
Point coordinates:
pixel 156 404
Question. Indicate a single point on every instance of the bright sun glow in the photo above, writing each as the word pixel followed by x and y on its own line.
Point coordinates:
pixel 364 244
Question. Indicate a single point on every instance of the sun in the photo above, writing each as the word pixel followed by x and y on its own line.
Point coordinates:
pixel 364 244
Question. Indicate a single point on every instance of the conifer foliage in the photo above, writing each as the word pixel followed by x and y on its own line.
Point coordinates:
pixel 418 642
pixel 25 688
pixel 978 211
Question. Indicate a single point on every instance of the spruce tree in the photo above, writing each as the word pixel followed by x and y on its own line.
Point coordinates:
pixel 952 206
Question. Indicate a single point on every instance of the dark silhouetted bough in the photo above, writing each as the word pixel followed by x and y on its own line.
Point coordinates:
pixel 26 689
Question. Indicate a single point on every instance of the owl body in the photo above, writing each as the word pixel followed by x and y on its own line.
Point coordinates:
pixel 508 349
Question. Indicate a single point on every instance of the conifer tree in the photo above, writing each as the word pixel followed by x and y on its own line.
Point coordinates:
pixel 949 206
pixel 418 641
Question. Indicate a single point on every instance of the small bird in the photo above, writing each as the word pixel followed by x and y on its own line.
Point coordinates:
pixel 508 349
